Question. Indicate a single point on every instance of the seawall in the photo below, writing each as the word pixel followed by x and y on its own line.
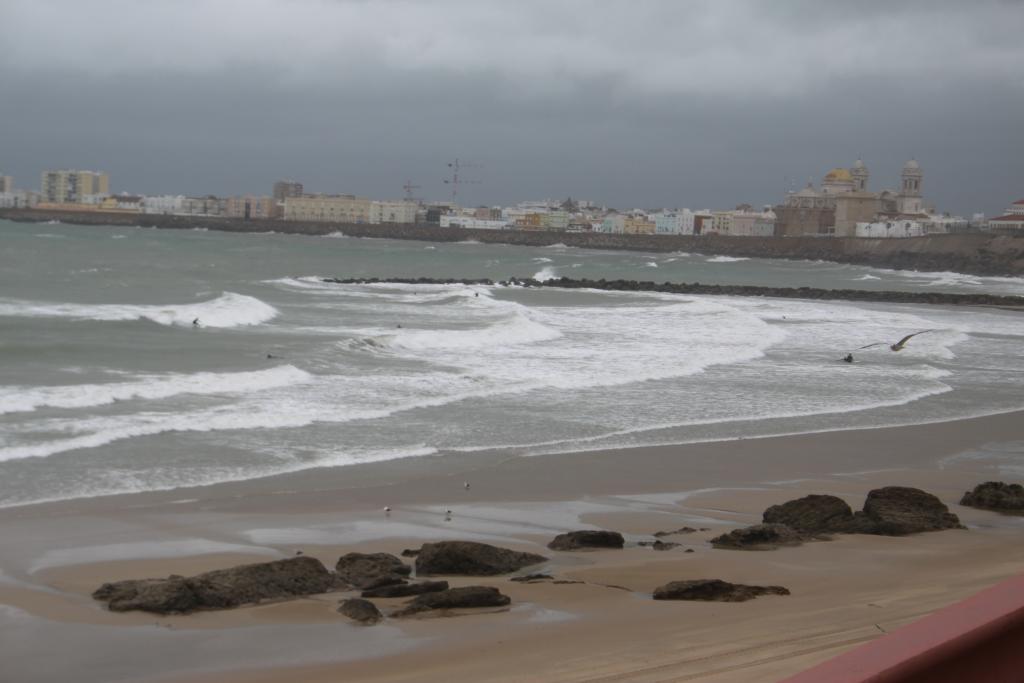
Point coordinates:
pixel 975 253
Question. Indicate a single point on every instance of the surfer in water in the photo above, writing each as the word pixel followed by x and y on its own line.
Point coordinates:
pixel 195 323
pixel 848 358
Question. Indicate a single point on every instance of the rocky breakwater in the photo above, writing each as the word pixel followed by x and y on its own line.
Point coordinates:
pixel 726 290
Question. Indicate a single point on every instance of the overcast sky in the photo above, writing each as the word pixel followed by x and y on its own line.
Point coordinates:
pixel 645 103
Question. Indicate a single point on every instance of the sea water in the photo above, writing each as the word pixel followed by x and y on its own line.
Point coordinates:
pixel 136 359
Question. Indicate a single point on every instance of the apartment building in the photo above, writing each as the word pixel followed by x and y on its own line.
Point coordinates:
pixel 344 208
pixel 69 187
pixel 248 206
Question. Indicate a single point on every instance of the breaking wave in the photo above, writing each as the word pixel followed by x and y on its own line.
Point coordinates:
pixel 15 399
pixel 227 310
pixel 727 259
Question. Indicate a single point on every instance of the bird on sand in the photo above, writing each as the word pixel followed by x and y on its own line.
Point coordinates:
pixel 465 485
pixel 387 510
pixel 898 346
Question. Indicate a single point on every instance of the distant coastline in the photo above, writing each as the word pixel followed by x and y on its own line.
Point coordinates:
pixel 974 253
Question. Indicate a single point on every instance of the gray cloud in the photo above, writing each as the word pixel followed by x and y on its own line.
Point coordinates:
pixel 652 103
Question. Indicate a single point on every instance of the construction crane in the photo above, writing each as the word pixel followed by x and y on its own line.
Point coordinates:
pixel 409 187
pixel 455 181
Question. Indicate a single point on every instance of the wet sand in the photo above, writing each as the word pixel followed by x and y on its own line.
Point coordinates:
pixel 844 592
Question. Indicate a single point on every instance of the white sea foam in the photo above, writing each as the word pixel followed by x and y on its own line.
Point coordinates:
pixel 546 273
pixel 387 292
pixel 542 259
pixel 868 277
pixel 15 399
pixel 95 432
pixel 651 264
pixel 726 259
pixel 992 284
pixel 337 234
pixel 227 310
pixel 517 329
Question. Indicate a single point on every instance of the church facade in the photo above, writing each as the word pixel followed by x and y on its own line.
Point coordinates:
pixel 844 200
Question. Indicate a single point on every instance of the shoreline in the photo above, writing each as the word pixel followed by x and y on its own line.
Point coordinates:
pixel 983 254
pixel 55 554
pixel 453 462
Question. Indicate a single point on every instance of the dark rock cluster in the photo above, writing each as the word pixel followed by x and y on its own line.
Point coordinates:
pixel 714 590
pixel 996 495
pixel 455 598
pixel 888 511
pixel 360 611
pixel 220 589
pixel 468 558
pixel 369 571
pixel 376 575
pixel 404 590
pixel 579 540
pixel 760 537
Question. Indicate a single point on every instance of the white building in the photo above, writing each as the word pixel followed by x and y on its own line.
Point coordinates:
pixel 1012 221
pixel 471 222
pixel 893 228
pixel 18 199
pixel 164 204
pixel 936 224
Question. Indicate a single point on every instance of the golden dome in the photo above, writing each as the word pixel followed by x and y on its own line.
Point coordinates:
pixel 838 175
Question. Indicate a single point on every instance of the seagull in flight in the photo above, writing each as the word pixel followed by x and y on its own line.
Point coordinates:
pixel 898 346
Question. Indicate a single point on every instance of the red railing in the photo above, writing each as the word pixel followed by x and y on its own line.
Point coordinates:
pixel 980 639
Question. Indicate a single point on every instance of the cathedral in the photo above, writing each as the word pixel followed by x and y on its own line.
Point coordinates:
pixel 843 200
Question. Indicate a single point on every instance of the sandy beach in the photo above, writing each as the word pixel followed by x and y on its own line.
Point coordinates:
pixel 606 628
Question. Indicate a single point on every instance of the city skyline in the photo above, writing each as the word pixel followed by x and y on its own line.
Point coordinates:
pixel 667 104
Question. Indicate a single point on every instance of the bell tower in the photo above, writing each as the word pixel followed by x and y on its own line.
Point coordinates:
pixel 860 176
pixel 910 187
